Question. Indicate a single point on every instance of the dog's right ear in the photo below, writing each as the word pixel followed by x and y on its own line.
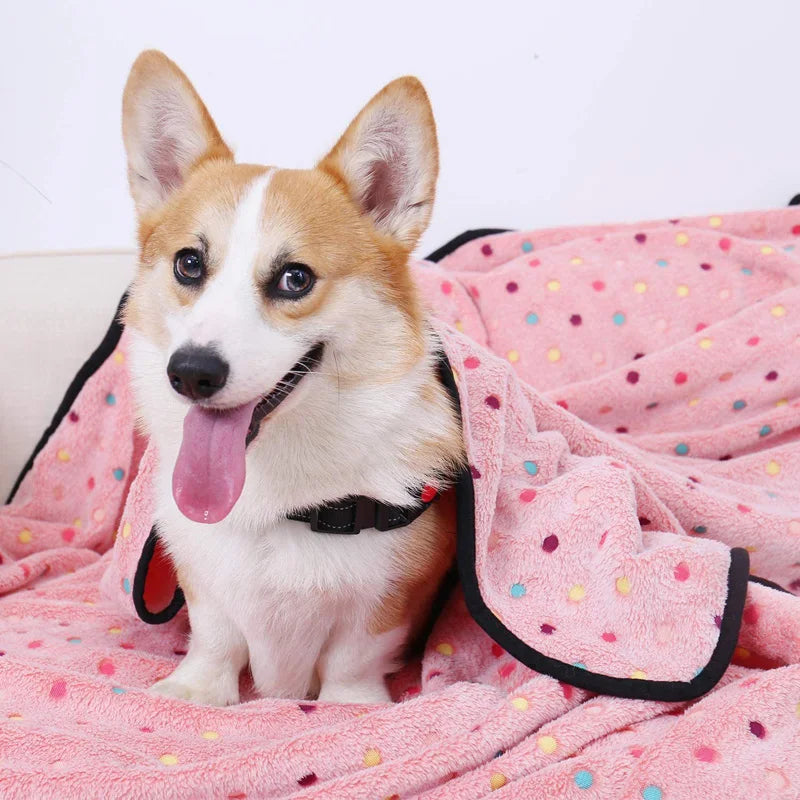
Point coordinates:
pixel 166 128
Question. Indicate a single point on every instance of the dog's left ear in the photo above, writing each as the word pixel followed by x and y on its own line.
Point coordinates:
pixel 388 160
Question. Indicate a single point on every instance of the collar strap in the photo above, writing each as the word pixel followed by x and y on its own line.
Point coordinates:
pixel 355 514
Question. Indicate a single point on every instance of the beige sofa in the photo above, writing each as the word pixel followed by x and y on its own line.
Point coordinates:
pixel 54 310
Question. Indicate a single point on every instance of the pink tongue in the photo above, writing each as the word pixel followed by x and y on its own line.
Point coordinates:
pixel 210 470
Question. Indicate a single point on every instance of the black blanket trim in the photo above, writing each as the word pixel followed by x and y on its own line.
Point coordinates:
pixel 462 239
pixel 92 364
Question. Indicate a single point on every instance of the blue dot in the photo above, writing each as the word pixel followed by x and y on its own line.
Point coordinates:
pixel 111 399
pixel 682 449
pixel 527 246
pixel 532 318
pixel 652 793
pixel 531 467
pixel 772 495
pixel 126 586
pixel 789 248
pixel 738 405
pixel 584 779
pixel 517 590
pixel 119 473
pixel 579 665
pixel 746 271
pixel 619 318
pixel 662 262
pixel 117 690
pixel 74 640
pixel 700 529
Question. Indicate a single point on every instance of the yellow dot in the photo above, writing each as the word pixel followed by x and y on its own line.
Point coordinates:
pixel 640 287
pixel 445 648
pixel 577 593
pixel 797 711
pixel 372 757
pixel 782 402
pixel 76 523
pixel 773 468
pixel 513 356
pixel 547 744
pixel 210 735
pixel 694 401
pixel 115 629
pixel 520 703
pixel 62 455
pixel 706 343
pixel 459 325
pixel 577 261
pixel 553 286
pixel 715 222
pixel 681 239
pixel 777 311
pixel 25 536
pixel 168 760
pixel 118 356
pixel 554 354
pixel 623 585
pixel 683 290
pixel 767 250
pixel 751 549
pixel 126 530
pixel 638 674
pixel 497 780
pixel 19 716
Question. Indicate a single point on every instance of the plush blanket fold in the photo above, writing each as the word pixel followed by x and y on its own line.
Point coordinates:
pixel 630 403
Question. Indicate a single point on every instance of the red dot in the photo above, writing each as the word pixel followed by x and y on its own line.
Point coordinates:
pixel 90 483
pixel 566 690
pixel 58 690
pixel 447 287
pixel 605 410
pixel 641 238
pixel 35 644
pixel 497 651
pixel 486 249
pixel 602 539
pixel 73 416
pixel 753 341
pixel 743 509
pixel 307 780
pixel 681 572
pixel 548 629
pixel 705 266
pixel 106 667
pixel 563 404
pixel 506 669
pixel 622 429
pixel 632 377
pixel 757 729
pixel 512 287
pixel 750 615
pixel 706 754
pixel 718 620
pixel 771 375
pixel 725 244
pixel 472 362
pixel 609 637
pixel 474 471
pixel 534 262
pixel 700 327
pixel 126 645
pixel 146 729
pixel 473 290
pixel 681 377
pixel 526 495
pixel 576 319
pixel 68 534
pixel 598 286
pixel 796 230
pixel 550 543
pixel 492 401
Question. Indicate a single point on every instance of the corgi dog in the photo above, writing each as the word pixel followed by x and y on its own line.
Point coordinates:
pixel 282 362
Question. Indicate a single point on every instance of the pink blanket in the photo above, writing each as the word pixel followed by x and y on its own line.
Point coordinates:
pixel 605 527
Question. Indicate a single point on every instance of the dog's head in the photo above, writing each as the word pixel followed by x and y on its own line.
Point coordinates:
pixel 252 276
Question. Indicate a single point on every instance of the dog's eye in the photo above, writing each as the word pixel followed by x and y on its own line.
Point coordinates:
pixel 292 282
pixel 189 266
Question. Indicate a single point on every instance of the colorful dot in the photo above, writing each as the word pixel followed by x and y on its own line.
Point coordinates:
pixel 118 473
pixel 210 735
pixel 531 467
pixel 632 377
pixel 577 593
pixel 372 757
pixel 526 495
pixel 682 290
pixel 773 468
pixel 693 402
pixel 126 530
pixel 472 362
pixel 576 319
pixel 527 246
pixel 497 781
pixel 73 416
pixel 106 667
pixel 707 754
pixel 513 356
pixel 547 744
pixel 445 648
pixel 553 286
pixel 638 675
pixel 757 729
pixel 747 271
pixel 681 239
pixel 681 377
pixel 641 238
pixel 517 590
pixel 547 629
pixel 492 401
pixel 608 636
pixel 765 430
pixel 681 572
pixel 114 629
pixel 705 266
pixel 598 286
pixel 652 793
pixel 126 586
pixel 512 286
pixel 520 703
pixel 715 222
pixel 446 287
pixel 553 355
pixel 700 529
pixel 724 245
pixel 550 543
pixel 682 448
pixel 619 318
pixel 118 356
pixel 662 262
pixel 63 455
pixel 486 249
pixel 58 690
pixel 738 405
pixel 640 287
pixel 111 399
pixel 772 375
pixel 777 311
pixel 168 759
pixel 623 585
pixel 767 250
pixel 74 640
pixel 583 779
pixel 25 536
pixel 532 319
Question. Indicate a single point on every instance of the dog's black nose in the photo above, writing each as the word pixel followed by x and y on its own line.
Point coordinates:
pixel 197 372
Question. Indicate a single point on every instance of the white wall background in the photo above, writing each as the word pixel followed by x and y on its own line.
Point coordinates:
pixel 549 112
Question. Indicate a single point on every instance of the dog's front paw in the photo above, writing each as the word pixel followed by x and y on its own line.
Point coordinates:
pixel 212 692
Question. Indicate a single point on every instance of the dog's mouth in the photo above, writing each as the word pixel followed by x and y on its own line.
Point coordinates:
pixel 209 471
